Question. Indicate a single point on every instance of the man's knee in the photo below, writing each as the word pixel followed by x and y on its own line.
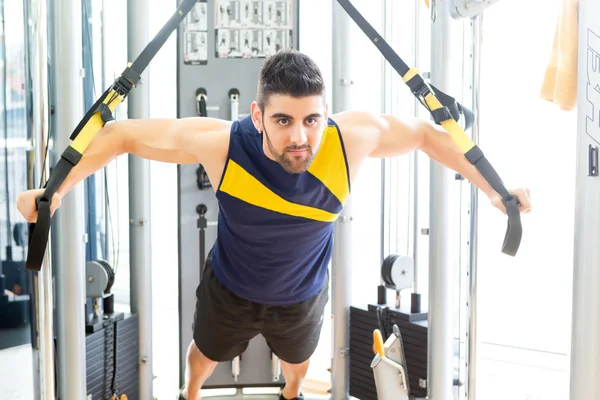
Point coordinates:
pixel 198 360
pixel 295 370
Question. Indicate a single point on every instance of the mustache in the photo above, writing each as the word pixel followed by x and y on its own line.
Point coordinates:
pixel 294 147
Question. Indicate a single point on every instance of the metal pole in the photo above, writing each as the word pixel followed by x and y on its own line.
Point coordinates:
pixel 585 330
pixel 415 162
pixel 43 304
pixel 138 37
pixel 440 374
pixel 472 297
pixel 342 261
pixel 69 228
pixel 385 107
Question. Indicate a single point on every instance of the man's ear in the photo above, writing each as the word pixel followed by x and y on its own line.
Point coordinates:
pixel 256 116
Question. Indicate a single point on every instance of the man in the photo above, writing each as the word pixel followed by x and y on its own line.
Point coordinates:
pixel 282 176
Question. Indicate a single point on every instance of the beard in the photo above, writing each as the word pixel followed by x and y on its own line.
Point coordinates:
pixel 292 164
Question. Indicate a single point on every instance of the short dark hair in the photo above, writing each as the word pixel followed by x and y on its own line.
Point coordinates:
pixel 289 72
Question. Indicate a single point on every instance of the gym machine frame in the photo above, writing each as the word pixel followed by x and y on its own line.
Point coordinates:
pixel 585 341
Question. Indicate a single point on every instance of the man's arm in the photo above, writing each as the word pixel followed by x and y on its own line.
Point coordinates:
pixel 180 141
pixel 381 136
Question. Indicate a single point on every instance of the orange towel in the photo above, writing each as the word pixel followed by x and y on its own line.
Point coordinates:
pixel 560 80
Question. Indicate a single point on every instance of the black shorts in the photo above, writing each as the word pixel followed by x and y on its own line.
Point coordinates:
pixel 224 323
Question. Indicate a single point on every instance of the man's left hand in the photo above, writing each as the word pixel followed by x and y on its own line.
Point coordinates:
pixel 523 197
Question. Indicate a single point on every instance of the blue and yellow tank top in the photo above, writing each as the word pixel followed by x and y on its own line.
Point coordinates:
pixel 275 229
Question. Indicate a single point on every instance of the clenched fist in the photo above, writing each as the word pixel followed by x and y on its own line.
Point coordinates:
pixel 26 204
pixel 523 196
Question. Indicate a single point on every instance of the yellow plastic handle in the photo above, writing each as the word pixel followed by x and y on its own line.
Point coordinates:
pixel 378 343
pixel 427 3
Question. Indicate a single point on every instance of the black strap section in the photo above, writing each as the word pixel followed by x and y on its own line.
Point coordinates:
pixel 452 108
pixel 455 108
pixel 105 113
pixel 38 237
pixel 38 232
pixel 390 55
pixel 416 84
pixel 123 85
pixel 514 230
pixel 88 115
pixel 162 36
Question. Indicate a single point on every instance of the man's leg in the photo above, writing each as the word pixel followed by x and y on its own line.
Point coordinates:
pixel 294 375
pixel 223 326
pixel 198 370
pixel 293 333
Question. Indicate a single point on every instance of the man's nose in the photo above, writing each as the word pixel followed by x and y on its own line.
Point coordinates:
pixel 298 136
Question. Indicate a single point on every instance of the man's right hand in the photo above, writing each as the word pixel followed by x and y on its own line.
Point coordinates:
pixel 26 204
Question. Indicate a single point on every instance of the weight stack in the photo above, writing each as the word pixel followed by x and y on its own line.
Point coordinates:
pixel 362 382
pixel 100 349
pixel 413 328
pixel 127 361
pixel 112 355
pixel 95 365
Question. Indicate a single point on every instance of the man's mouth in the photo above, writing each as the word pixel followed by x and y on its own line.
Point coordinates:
pixel 298 151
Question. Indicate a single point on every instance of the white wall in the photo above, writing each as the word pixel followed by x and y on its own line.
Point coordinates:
pixel 525 301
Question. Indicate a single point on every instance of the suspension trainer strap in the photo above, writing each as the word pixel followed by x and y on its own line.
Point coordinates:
pixel 446 111
pixel 96 117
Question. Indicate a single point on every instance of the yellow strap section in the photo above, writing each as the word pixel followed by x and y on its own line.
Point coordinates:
pixel 329 166
pixel 238 183
pixel 410 74
pixel 459 136
pixel 95 123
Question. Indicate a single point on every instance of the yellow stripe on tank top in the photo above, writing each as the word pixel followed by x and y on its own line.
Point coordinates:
pixel 238 183
pixel 329 166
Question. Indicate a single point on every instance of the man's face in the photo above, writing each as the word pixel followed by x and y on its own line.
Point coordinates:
pixel 292 129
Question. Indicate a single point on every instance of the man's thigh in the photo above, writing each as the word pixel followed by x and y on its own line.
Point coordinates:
pixel 223 322
pixel 293 332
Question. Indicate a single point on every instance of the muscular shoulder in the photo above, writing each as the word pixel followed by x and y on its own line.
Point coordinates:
pixel 207 138
pixel 360 132
pixel 210 140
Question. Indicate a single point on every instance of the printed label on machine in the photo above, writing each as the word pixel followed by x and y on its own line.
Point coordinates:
pixel 252 28
pixel 195 33
pixel 593 86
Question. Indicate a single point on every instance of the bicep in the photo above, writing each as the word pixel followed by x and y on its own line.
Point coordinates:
pixel 202 139
pixel 179 141
pixel 397 136
pixel 378 135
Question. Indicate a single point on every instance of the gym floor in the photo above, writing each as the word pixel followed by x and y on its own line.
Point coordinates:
pixel 501 375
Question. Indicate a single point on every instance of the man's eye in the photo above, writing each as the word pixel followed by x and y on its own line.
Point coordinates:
pixel 311 121
pixel 282 121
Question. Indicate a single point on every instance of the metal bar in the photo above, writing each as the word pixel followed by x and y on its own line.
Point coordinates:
pixel 341 261
pixel 415 162
pixel 473 229
pixel 385 106
pixel 440 328
pixel 69 228
pixel 42 328
pixel 138 37
pixel 585 342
